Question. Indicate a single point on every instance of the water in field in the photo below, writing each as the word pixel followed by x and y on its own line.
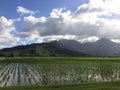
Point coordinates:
pixel 12 74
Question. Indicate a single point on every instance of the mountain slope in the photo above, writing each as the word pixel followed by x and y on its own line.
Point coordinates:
pixel 102 47
pixel 42 49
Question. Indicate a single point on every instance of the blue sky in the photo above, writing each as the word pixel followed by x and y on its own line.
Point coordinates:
pixel 8 8
pixel 36 21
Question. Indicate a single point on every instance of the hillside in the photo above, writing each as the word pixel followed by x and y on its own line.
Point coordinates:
pixel 102 47
pixel 53 48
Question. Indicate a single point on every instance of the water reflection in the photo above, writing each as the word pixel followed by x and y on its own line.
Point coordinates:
pixel 43 74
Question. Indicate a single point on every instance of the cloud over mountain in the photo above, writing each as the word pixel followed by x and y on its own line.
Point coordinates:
pixel 89 22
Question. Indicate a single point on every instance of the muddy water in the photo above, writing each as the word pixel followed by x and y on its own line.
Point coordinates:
pixel 12 74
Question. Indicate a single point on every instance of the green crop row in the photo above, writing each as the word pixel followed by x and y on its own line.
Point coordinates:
pixel 82 86
pixel 59 59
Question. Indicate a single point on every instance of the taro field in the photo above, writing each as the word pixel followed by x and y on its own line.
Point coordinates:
pixel 37 73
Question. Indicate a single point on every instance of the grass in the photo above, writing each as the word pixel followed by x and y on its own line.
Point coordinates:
pixel 59 59
pixel 82 86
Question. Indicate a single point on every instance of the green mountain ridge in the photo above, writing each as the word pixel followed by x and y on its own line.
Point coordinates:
pixel 53 48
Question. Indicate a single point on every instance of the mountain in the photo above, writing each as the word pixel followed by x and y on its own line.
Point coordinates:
pixel 53 48
pixel 102 47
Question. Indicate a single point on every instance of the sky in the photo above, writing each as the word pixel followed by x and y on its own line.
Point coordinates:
pixel 35 21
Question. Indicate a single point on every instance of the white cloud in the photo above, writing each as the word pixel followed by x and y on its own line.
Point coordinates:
pixel 116 40
pixel 24 11
pixel 89 22
pixel 56 13
pixel 89 39
pixel 3 46
pixel 6 29
pixel 56 37
pixel 17 20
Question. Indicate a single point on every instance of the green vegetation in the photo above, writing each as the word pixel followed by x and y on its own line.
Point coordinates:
pixel 82 86
pixel 59 59
pixel 42 50
pixel 59 73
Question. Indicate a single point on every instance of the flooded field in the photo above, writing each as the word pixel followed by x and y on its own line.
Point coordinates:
pixel 14 74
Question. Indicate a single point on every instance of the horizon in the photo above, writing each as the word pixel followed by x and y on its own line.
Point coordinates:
pixel 88 41
pixel 27 22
